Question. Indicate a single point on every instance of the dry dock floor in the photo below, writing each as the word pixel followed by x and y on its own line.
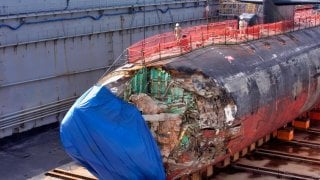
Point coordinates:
pixel 31 156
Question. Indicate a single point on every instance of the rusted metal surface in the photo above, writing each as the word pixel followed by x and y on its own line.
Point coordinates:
pixel 224 105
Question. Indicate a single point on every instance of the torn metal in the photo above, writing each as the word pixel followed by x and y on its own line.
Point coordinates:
pixel 191 118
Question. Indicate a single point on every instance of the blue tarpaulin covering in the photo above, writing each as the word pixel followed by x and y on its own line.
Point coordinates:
pixel 110 138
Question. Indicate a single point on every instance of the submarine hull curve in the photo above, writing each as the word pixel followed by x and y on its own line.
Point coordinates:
pixel 271 81
pixel 232 95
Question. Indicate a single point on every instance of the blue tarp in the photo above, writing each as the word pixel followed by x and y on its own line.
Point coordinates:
pixel 110 138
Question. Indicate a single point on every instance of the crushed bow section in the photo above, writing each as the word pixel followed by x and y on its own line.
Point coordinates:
pixel 191 118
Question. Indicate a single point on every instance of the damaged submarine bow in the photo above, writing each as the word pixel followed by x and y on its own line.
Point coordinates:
pixel 200 108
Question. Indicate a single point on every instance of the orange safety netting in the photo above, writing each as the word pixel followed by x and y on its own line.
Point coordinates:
pixel 166 45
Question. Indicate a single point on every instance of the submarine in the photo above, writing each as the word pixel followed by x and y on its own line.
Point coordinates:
pixel 163 117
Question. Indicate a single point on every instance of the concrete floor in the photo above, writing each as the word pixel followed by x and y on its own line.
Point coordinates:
pixel 233 174
pixel 31 155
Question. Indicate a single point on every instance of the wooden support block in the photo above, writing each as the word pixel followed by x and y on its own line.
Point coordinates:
pixel 235 157
pixel 274 134
pixel 285 134
pixel 195 176
pixel 244 151
pixel 203 173
pixel 267 138
pixel 252 147
pixel 314 115
pixel 260 142
pixel 209 171
pixel 186 177
pixel 59 176
pixel 226 161
pixel 301 123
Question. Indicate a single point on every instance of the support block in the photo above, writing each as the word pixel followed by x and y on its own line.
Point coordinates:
pixel 301 123
pixel 260 142
pixel 203 173
pixel 209 171
pixel 186 177
pixel 244 151
pixel 252 146
pixel 195 176
pixel 314 115
pixel 226 162
pixel 285 134
pixel 235 157
pixel 268 137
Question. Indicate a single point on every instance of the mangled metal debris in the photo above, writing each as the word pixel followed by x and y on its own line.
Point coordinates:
pixel 191 118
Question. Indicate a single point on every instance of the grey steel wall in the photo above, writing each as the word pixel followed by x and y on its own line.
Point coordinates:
pixel 28 6
pixel 52 51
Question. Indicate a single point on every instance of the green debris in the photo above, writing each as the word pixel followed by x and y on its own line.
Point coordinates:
pixel 139 82
pixel 184 143
pixel 179 108
pixel 158 84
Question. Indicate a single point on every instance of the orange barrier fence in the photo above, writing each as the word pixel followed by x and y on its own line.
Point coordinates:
pixel 166 45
